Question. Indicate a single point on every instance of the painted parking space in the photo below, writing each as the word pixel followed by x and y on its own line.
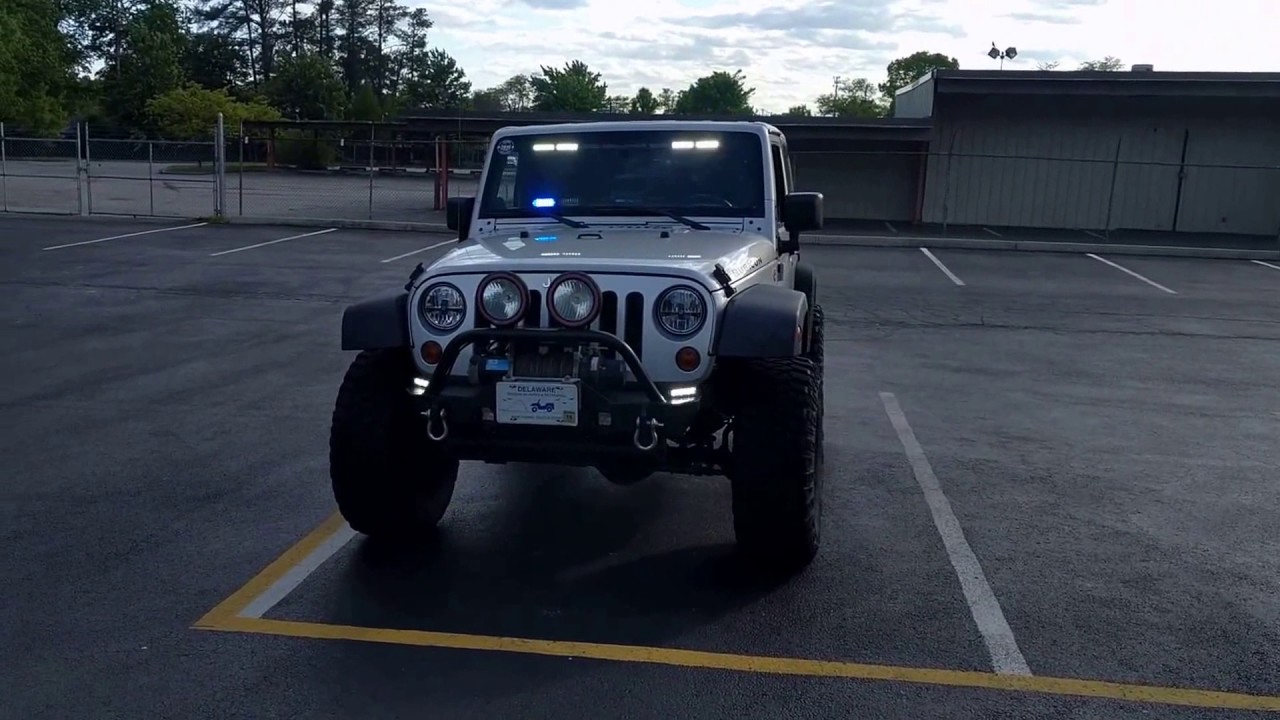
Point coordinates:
pixel 1124 542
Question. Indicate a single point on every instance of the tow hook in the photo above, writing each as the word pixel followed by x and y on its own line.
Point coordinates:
pixel 432 420
pixel 646 427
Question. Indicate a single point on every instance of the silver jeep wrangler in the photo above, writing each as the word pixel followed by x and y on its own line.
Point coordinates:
pixel 626 296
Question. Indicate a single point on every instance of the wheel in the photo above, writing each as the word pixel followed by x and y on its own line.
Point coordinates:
pixel 389 480
pixel 817 354
pixel 775 465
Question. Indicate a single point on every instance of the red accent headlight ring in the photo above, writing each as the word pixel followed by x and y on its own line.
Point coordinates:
pixel 596 299
pixel 524 297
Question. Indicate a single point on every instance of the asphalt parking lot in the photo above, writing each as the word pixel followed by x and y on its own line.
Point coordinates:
pixel 1051 491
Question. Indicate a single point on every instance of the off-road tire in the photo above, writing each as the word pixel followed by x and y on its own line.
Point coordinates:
pixel 775 466
pixel 389 479
pixel 816 352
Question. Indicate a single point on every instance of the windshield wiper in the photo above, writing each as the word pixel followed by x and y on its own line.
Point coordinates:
pixel 667 213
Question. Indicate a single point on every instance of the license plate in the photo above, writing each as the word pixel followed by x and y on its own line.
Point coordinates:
pixel 537 403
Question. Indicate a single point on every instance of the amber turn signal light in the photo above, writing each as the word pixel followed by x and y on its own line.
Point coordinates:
pixel 431 352
pixel 688 359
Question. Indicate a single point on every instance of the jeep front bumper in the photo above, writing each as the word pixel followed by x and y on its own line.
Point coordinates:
pixel 632 421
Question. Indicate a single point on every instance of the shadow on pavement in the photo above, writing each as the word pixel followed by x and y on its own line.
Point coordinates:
pixel 562 555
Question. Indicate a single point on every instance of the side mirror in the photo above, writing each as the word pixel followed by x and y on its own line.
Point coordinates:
pixel 802 212
pixel 457 215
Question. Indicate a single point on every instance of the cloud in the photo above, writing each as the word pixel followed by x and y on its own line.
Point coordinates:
pixel 552 4
pixel 790 49
pixel 1037 17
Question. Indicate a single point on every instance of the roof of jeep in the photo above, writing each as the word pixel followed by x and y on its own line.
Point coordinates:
pixel 754 126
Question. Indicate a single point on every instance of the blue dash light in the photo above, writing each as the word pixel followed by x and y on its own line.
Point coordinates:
pixel 544 202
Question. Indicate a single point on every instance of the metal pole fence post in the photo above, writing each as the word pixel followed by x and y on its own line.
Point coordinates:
pixel 240 189
pixel 1111 196
pixel 88 172
pixel 220 168
pixel 372 162
pixel 151 178
pixel 4 173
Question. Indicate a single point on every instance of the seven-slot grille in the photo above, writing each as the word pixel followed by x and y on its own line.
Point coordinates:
pixel 622 316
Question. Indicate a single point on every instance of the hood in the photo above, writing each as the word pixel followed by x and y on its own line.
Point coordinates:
pixel 677 251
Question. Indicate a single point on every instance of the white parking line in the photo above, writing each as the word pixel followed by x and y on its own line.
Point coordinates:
pixel 993 232
pixel 942 267
pixel 271 242
pixel 892 229
pixel 1006 658
pixel 290 581
pixel 1267 264
pixel 1093 234
pixel 420 250
pixel 1121 268
pixel 126 235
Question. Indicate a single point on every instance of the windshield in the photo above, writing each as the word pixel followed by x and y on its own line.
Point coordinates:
pixel 633 172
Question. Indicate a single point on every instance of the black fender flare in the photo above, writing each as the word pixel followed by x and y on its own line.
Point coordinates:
pixel 763 321
pixel 377 323
pixel 807 282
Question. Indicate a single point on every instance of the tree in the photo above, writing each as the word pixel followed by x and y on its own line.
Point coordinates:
pixel 150 63
pixel 799 111
pixel 436 81
pixel 487 100
pixel 36 64
pixel 644 103
pixel 667 101
pixel 906 70
pixel 1106 64
pixel 574 88
pixel 412 39
pixel 190 112
pixel 719 93
pixel 255 24
pixel 1047 65
pixel 213 61
pixel 307 88
pixel 365 106
pixel 617 104
pixel 851 98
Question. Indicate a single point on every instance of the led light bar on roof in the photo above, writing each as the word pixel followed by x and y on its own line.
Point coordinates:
pixel 692 144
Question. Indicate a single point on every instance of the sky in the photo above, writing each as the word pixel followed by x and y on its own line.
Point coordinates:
pixel 790 51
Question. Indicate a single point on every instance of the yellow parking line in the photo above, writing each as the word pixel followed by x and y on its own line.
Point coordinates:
pixel 759 664
pixel 230 607
pixel 225 617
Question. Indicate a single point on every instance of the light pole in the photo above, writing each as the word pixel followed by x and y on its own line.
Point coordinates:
pixel 997 54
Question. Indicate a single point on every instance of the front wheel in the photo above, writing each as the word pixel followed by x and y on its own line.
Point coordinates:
pixel 776 461
pixel 389 479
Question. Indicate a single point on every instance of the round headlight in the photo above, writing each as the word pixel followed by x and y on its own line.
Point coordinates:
pixel 574 300
pixel 501 298
pixel 442 307
pixel 680 310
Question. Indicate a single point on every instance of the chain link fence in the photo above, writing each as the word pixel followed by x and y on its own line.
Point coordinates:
pixel 39 175
pixel 151 178
pixel 85 175
pixel 348 171
pixel 386 172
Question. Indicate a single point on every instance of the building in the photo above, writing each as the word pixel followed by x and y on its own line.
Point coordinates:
pixel 1089 151
pixel 866 167
pixel 1098 151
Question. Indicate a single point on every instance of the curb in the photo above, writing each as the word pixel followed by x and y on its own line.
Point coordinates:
pixel 345 224
pixel 964 243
